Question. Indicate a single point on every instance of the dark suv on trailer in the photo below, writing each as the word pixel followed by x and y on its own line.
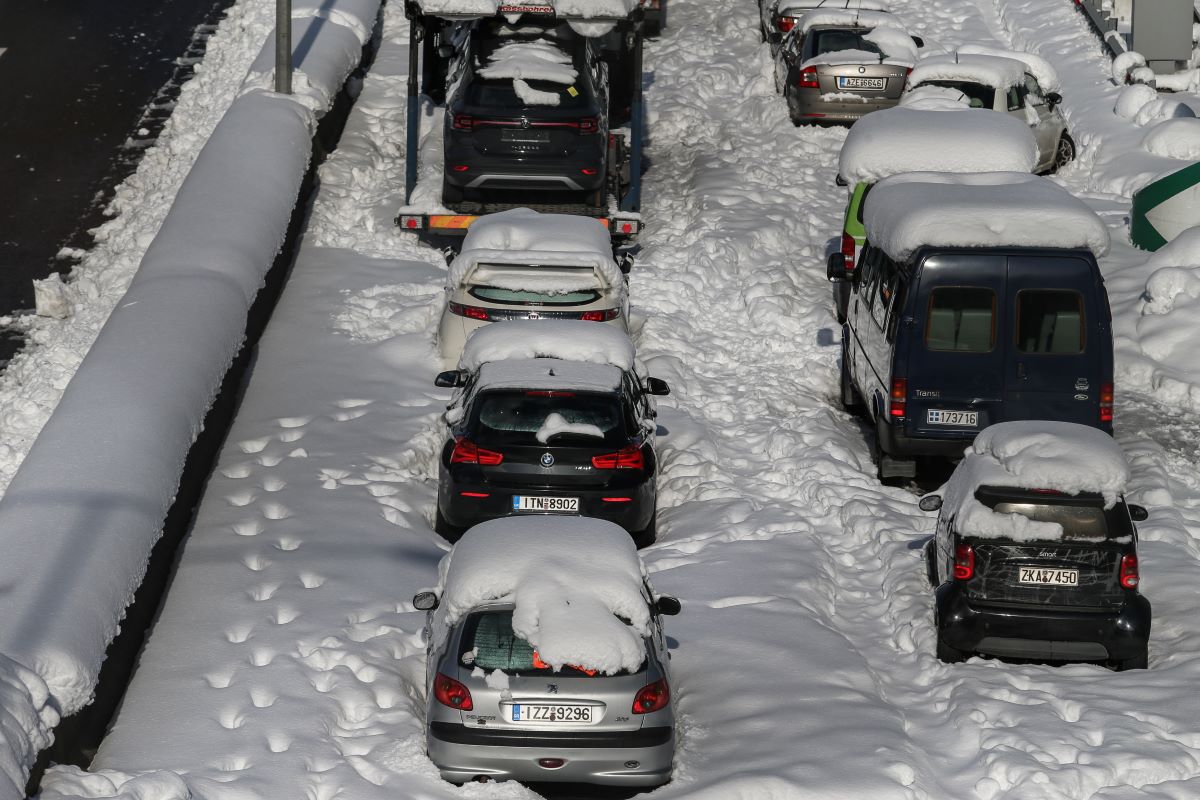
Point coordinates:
pixel 504 132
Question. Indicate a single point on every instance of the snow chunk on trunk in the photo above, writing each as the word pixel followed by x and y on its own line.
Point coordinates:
pixel 533 61
pixel 569 340
pixel 556 424
pixel 1038 67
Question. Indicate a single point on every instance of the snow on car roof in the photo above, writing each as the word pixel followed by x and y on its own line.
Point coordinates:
pixel 849 17
pixel 569 340
pixel 935 98
pixel 998 209
pixel 549 373
pixel 1056 456
pixel 568 578
pixel 1038 67
pixel 538 60
pixel 794 8
pixel 563 9
pixel 903 139
pixel 522 237
pixel 994 71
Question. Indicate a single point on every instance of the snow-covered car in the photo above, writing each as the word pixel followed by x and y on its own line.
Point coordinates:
pixel 1019 84
pixel 547 659
pixel 1035 552
pixel 835 66
pixel 778 17
pixel 978 299
pixel 521 264
pixel 552 417
pixel 910 139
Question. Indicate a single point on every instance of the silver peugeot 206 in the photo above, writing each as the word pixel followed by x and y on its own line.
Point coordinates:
pixel 546 657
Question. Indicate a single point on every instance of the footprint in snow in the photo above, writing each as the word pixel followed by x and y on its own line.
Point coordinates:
pixel 254 445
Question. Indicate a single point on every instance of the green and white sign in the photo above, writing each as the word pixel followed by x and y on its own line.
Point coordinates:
pixel 1165 208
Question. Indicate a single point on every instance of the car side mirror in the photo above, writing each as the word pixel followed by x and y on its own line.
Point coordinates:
pixel 451 379
pixel 840 181
pixel 425 601
pixel 657 386
pixel 1138 513
pixel 445 51
pixel 930 502
pixel 918 41
pixel 668 606
pixel 1053 98
pixel 835 268
pixel 625 262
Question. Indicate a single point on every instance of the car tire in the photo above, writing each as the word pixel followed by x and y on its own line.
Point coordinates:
pixel 948 654
pixel 451 194
pixel 1064 153
pixel 1140 661
pixel 927 552
pixel 451 533
pixel 646 536
pixel 849 395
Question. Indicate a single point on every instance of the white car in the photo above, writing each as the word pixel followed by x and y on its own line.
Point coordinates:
pixel 521 264
pixel 1019 84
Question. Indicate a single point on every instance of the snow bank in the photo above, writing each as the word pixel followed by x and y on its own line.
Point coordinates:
pixel 568 578
pixel 359 16
pixel 1060 456
pixel 905 139
pixel 993 71
pixel 1132 99
pixel 27 718
pixel 319 70
pixel 1174 138
pixel 1166 327
pixel 847 18
pixel 1162 108
pixel 904 212
pixel 569 340
pixel 1041 69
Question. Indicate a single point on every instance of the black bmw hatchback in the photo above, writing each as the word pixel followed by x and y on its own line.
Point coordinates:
pixel 529 112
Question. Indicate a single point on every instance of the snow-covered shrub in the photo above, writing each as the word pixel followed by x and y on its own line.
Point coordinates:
pixel 1174 138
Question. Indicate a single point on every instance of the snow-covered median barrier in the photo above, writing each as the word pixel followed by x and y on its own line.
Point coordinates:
pixel 1166 330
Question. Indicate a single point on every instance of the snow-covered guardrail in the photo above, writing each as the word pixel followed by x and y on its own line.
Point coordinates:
pixel 82 513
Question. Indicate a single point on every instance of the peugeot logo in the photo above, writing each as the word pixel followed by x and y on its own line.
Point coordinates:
pixel 547 459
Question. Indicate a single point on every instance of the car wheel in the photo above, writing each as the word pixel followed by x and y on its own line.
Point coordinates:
pixel 451 533
pixel 948 654
pixel 930 562
pixel 1140 661
pixel 646 536
pixel 451 194
pixel 849 395
pixel 1064 153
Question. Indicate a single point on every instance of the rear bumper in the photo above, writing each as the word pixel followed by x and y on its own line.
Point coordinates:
pixel 896 443
pixel 544 172
pixel 1042 633
pixel 807 106
pixel 463 512
pixel 631 758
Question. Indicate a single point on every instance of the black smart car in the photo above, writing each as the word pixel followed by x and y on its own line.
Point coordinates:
pixel 549 436
pixel 529 113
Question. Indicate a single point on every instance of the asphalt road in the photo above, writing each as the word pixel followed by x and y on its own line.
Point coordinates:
pixel 78 81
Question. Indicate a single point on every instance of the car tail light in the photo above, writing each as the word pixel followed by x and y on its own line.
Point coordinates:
pixel 1129 571
pixel 473 312
pixel 475 494
pixel 848 250
pixel 467 452
pixel 450 692
pixel 547 393
pixel 808 79
pixel 964 562
pixel 899 397
pixel 625 458
pixel 462 122
pixel 589 125
pixel 617 499
pixel 785 24
pixel 652 698
pixel 588 171
pixel 1106 401
pixel 461 167
pixel 600 316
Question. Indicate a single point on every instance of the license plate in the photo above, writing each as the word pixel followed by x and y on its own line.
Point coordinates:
pixel 562 505
pixel 525 137
pixel 553 714
pixel 1042 576
pixel 861 83
pixel 939 416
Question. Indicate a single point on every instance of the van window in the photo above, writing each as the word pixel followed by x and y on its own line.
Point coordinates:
pixel 1050 321
pixel 961 318
pixel 884 290
pixel 868 275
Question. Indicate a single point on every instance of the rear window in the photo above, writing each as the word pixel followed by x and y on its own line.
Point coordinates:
pixel 500 94
pixel 489 642
pixel 961 319
pixel 980 96
pixel 516 418
pixel 1050 321
pixel 519 298
pixel 834 41
pixel 1081 516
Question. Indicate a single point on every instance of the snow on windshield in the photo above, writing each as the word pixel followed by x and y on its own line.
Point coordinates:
pixel 569 579
pixel 531 61
pixel 556 424
pixel 569 340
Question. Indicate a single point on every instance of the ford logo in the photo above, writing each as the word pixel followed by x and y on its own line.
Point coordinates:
pixel 547 459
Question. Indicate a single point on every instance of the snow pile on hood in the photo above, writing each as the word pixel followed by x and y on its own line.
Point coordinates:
pixel 526 238
pixel 993 71
pixel 531 61
pixel 1038 67
pixel 569 340
pixel 1060 456
pixel 904 139
pixel 568 578
pixel 1174 138
pixel 848 18
pixel 999 209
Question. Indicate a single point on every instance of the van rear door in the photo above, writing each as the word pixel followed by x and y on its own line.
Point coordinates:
pixel 1059 340
pixel 955 364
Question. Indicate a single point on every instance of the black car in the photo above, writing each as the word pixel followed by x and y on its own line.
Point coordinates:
pixel 504 133
pixel 548 436
pixel 1072 598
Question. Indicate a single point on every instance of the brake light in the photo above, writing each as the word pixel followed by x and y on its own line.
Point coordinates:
pixel 1106 401
pixel 450 692
pixel 467 452
pixel 588 171
pixel 625 458
pixel 652 698
pixel 589 125
pixel 1129 571
pixel 544 393
pixel 899 397
pixel 461 167
pixel 808 79
pixel 785 24
pixel 964 562
pixel 473 312
pixel 600 316
pixel 848 250
pixel 462 122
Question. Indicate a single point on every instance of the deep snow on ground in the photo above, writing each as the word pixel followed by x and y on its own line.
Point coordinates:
pixel 287 661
